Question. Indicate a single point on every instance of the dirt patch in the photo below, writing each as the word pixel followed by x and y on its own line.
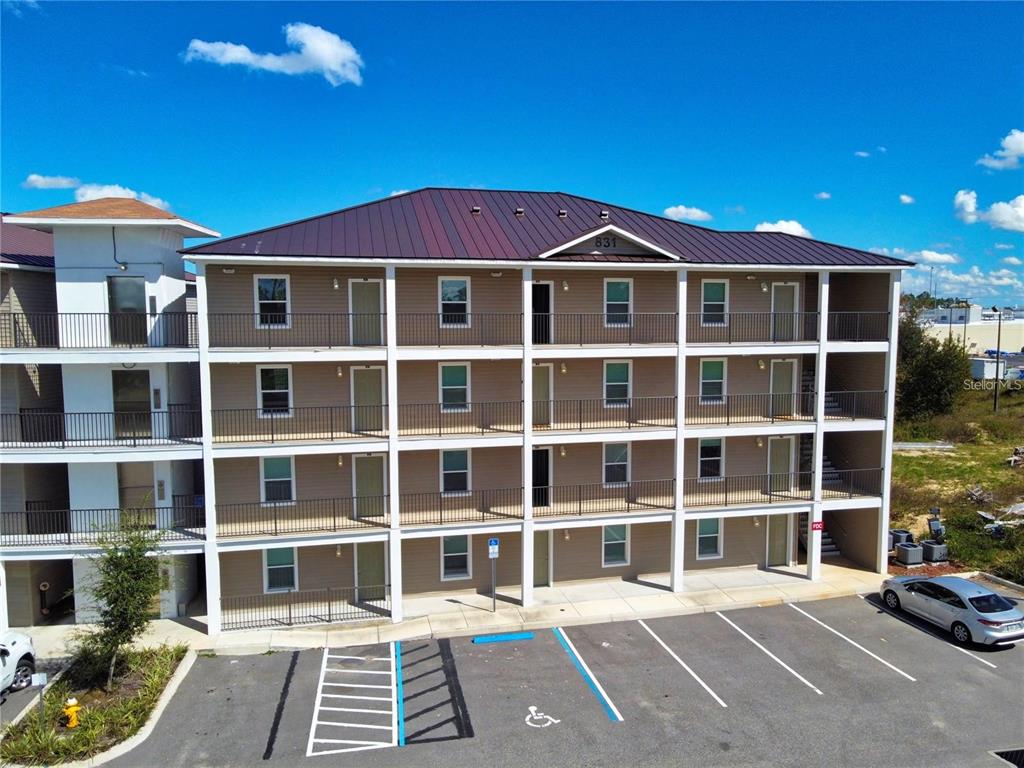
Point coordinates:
pixel 928 569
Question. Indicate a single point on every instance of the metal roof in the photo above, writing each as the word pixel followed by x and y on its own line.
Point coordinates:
pixel 25 247
pixel 481 224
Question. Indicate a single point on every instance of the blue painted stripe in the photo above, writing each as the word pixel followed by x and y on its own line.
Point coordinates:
pixel 609 708
pixel 399 694
pixel 505 638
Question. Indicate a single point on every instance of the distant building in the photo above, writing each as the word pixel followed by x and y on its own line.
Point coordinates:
pixel 947 315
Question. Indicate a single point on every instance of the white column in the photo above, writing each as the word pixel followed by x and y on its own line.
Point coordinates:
pixel 890 416
pixel 678 543
pixel 813 536
pixel 526 548
pixel 5 621
pixel 210 553
pixel 395 535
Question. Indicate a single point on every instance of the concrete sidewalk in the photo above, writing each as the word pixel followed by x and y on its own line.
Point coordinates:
pixel 468 613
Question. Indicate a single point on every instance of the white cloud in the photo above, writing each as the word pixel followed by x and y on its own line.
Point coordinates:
pixel 789 226
pixel 686 213
pixel 38 181
pixel 1013 261
pixel 398 192
pixel 924 256
pixel 883 150
pixel 907 199
pixel 1004 246
pixel 1009 155
pixel 317 50
pixel 1000 284
pixel 861 153
pixel 823 196
pixel 18 7
pixel 96 191
pixel 1009 215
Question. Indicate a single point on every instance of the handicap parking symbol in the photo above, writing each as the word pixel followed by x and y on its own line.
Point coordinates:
pixel 539 720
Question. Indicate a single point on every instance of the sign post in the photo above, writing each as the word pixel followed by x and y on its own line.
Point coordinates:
pixel 492 555
pixel 39 678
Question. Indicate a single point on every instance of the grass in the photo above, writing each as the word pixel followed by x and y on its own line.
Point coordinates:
pixel 107 717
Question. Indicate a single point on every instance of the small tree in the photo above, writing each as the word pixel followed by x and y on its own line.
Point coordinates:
pixel 930 374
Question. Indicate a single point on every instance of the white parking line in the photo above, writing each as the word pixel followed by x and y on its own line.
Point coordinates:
pixel 771 655
pixel 683 664
pixel 855 644
pixel 928 630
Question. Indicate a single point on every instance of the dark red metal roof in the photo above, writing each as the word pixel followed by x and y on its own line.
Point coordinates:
pixel 27 247
pixel 439 223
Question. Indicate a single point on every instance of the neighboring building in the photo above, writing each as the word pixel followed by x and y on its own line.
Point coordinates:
pixel 380 390
pixel 951 315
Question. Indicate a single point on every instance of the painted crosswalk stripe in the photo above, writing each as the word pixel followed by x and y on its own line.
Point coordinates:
pixel 683 664
pixel 771 655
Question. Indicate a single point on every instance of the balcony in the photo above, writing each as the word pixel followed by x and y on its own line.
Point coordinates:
pixel 58 527
pixel 280 518
pixel 769 408
pixel 327 423
pixel 281 331
pixel 478 506
pixel 477 418
pixel 850 405
pixel 858 326
pixel 605 329
pixel 469 329
pixel 596 414
pixel 303 607
pixel 851 483
pixel 751 327
pixel 98 330
pixel 747 490
pixel 43 429
pixel 604 498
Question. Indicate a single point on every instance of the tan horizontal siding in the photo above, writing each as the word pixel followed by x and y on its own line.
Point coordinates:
pixel 653 292
pixel 313 384
pixel 581 556
pixel 584 462
pixel 743 376
pixel 317 476
pixel 416 290
pixel 420 471
pixel 241 573
pixel 312 288
pixel 584 377
pixel 745 295
pixel 421 565
pixel 858 292
pixel 491 381
pixel 743 543
pixel 855 371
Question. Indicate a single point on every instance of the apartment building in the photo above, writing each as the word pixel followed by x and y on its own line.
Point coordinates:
pixel 362 399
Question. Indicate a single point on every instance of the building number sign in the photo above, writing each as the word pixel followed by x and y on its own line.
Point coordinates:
pixel 605 242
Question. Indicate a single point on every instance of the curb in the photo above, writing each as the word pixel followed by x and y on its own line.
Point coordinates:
pixel 33 703
pixel 1001 580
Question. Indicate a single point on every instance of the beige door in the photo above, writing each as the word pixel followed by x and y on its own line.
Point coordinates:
pixel 783 390
pixel 784 321
pixel 368 472
pixel 780 464
pixel 541 561
pixel 778 540
pixel 370 567
pixel 541 395
pixel 365 313
pixel 367 399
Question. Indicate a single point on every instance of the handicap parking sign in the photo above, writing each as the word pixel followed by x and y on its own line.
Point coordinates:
pixel 492 548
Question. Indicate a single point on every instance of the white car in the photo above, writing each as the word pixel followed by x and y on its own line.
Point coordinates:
pixel 17 662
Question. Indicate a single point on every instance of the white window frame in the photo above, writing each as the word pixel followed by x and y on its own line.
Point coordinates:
pixel 719 537
pixel 263 487
pixel 469 557
pixel 351 314
pixel 629 464
pixel 469 300
pixel 725 379
pixel 721 461
pixel 295 572
pixel 469 386
pixel 469 472
pixel 604 559
pixel 725 311
pixel 287 300
pixel 259 392
pixel 604 302
pixel 629 383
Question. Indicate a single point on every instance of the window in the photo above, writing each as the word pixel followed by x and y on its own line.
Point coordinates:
pixel 280 570
pixel 278 479
pixel 714 302
pixel 710 460
pixel 990 603
pixel 616 463
pixel 454 471
pixel 275 391
pixel 712 381
pixel 456 559
pixel 709 539
pixel 454 382
pixel 618 302
pixel 453 297
pixel 615 545
pixel 272 301
pixel 948 596
pixel 616 383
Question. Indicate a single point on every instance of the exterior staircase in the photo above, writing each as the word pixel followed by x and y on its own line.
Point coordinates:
pixel 828 546
pixel 829 474
pixel 832 407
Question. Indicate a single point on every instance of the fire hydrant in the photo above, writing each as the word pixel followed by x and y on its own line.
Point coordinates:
pixel 71 708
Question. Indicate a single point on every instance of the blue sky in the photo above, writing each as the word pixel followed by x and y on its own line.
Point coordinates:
pixel 745 113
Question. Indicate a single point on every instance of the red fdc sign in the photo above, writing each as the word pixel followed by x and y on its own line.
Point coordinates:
pixel 818 525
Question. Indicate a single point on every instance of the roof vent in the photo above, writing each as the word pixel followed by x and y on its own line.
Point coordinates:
pixel 475 210
pixel 604 214
pixel 520 212
pixel 562 213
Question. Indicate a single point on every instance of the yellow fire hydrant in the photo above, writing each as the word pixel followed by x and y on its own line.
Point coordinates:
pixel 71 712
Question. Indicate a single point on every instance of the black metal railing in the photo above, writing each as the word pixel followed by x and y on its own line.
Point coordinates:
pixel 623 413
pixel 97 330
pixel 750 408
pixel 472 329
pixel 461 506
pixel 855 404
pixel 847 483
pixel 858 326
pixel 597 498
pixel 40 527
pixel 312 423
pixel 301 516
pixel 602 328
pixel 294 329
pixel 40 428
pixel 773 488
pixel 750 327
pixel 459 419
pixel 292 608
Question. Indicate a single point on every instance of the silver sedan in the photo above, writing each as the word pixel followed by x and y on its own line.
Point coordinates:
pixel 968 610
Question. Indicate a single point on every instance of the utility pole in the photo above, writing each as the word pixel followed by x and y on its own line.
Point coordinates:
pixel 999 355
pixel 967 314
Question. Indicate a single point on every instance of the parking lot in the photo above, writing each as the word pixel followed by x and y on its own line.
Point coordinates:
pixel 833 682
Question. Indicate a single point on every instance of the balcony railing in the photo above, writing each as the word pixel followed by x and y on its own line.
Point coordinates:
pixel 467 329
pixel 858 326
pixel 750 408
pixel 751 327
pixel 611 329
pixel 461 506
pixel 435 419
pixel 625 413
pixel 97 330
pixel 305 329
pixel 302 607
pixel 597 498
pixel 34 428
pixel 848 483
pixel 774 488
pixel 855 404
pixel 54 527
pixel 297 424
pixel 301 516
